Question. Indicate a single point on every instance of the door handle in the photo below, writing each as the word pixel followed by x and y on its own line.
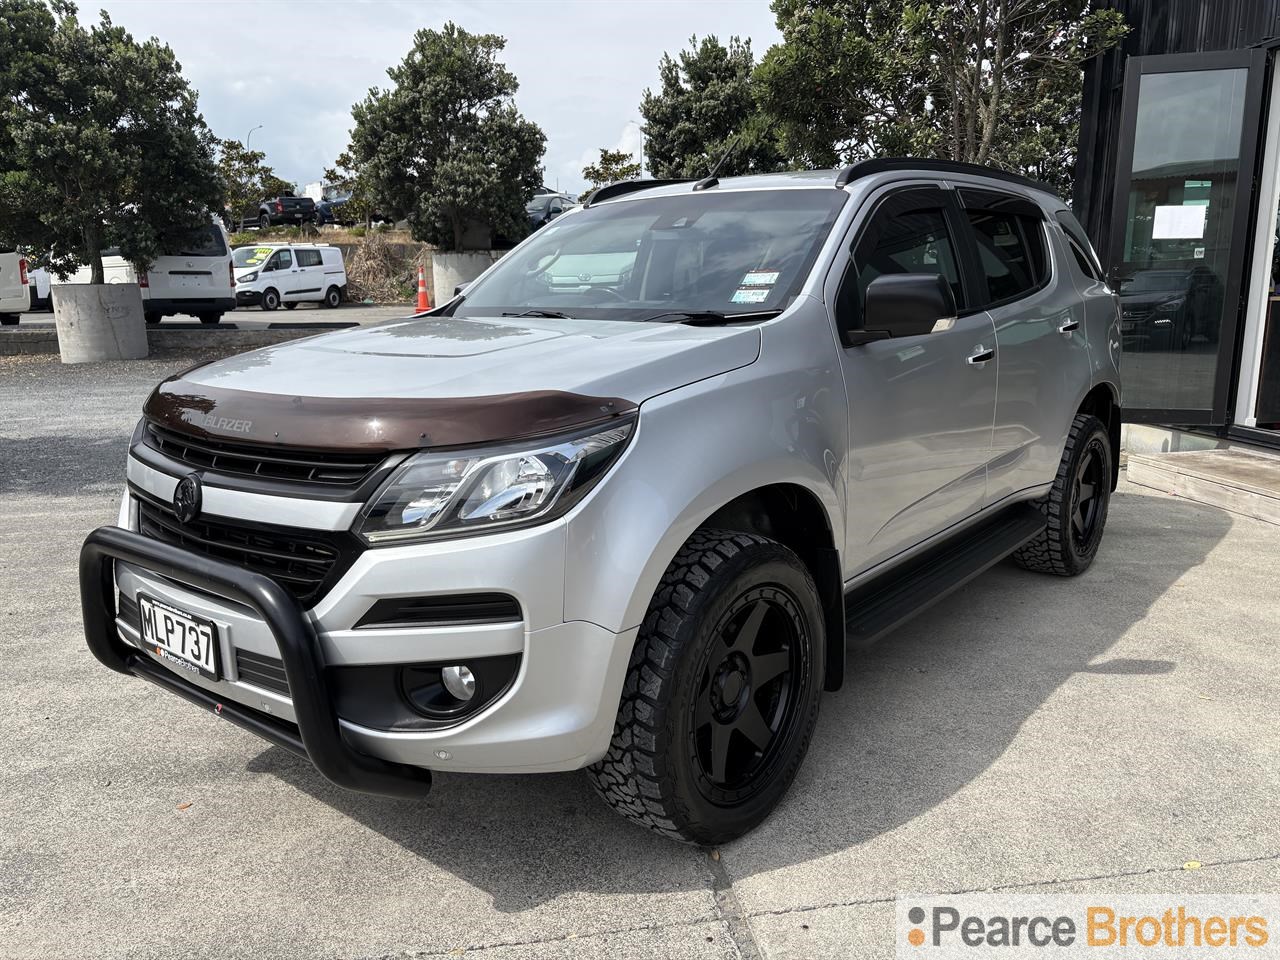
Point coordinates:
pixel 981 355
pixel 1068 325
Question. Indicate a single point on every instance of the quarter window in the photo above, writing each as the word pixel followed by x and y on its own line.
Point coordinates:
pixel 1079 244
pixel 1011 253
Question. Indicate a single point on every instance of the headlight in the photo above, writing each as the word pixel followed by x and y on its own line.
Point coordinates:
pixel 460 493
pixel 247 277
pixel 1171 305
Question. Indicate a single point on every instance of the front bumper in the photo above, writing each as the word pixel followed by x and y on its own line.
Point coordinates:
pixel 318 734
pixel 248 298
pixel 556 715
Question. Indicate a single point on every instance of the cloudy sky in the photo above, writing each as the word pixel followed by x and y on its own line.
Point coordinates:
pixel 296 67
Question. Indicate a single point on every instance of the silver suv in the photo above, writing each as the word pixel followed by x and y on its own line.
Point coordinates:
pixel 621 504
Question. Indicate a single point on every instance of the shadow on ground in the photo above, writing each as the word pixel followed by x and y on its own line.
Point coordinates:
pixel 922 715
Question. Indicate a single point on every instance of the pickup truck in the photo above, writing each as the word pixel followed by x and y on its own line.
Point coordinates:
pixel 281 210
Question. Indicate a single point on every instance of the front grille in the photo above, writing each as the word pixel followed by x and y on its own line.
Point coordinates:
pixel 261 671
pixel 266 463
pixel 304 562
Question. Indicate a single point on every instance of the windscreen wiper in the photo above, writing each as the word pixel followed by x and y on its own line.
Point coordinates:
pixel 711 318
pixel 549 314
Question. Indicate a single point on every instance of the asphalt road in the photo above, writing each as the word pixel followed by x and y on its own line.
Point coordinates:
pixel 1027 734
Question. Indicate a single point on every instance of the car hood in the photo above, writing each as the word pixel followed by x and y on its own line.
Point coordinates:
pixel 443 381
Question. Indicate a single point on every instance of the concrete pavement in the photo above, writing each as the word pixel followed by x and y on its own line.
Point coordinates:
pixel 1025 734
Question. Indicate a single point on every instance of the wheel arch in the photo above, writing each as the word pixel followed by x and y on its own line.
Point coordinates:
pixel 1103 402
pixel 793 516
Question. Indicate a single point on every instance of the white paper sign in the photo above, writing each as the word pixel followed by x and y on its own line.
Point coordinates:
pixel 1179 223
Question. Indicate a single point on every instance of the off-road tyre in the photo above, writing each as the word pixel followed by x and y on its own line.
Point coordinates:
pixel 654 772
pixel 264 222
pixel 1062 548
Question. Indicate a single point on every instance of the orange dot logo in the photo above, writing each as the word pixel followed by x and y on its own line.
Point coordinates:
pixel 915 936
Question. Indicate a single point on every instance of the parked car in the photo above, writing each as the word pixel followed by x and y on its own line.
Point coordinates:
pixel 286 210
pixel 544 208
pixel 628 526
pixel 1166 308
pixel 194 279
pixel 271 274
pixel 335 211
pixel 15 290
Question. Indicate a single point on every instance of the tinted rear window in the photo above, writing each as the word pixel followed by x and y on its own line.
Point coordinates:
pixel 1011 252
pixel 204 243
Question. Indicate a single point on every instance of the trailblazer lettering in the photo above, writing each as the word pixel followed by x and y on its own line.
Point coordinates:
pixel 209 422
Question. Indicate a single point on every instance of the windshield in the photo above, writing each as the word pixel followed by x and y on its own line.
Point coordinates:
pixel 731 252
pixel 1153 281
pixel 251 256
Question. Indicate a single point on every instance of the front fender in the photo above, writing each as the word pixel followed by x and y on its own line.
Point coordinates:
pixel 695 449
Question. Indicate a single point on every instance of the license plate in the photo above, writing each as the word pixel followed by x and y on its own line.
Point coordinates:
pixel 1127 325
pixel 177 637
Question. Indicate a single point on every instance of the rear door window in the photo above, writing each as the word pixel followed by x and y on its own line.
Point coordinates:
pixel 204 243
pixel 1010 245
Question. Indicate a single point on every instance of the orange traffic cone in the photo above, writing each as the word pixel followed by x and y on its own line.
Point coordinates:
pixel 424 302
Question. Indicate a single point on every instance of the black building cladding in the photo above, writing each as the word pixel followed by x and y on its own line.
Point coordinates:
pixel 1176 189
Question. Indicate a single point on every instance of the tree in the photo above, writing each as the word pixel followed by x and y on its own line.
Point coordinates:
pixel 984 81
pixel 705 108
pixel 613 166
pixel 101 142
pixel 246 179
pixel 445 145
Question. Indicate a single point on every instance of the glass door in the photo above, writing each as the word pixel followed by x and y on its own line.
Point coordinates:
pixel 1181 226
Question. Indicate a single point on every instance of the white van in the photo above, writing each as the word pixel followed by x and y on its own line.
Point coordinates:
pixel 196 279
pixel 271 274
pixel 15 294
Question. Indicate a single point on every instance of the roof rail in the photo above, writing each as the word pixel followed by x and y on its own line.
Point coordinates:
pixel 865 168
pixel 623 187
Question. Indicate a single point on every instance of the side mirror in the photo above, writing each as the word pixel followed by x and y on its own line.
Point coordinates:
pixel 903 305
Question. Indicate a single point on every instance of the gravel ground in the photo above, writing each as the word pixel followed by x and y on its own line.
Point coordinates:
pixel 1027 733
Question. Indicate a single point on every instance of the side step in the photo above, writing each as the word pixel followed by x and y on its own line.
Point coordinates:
pixel 894 597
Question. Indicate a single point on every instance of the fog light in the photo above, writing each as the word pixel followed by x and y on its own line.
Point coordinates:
pixel 459 681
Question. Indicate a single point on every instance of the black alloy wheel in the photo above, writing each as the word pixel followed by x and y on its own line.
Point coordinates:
pixel 745 692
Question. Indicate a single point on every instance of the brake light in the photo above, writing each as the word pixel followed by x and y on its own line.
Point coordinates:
pixel 142 279
pixel 279 206
pixel 22 271
pixel 231 273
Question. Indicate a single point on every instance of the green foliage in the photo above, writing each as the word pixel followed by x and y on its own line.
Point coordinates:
pixel 101 141
pixel 705 108
pixel 246 179
pixel 350 176
pixel 612 167
pixel 988 81
pixel 445 146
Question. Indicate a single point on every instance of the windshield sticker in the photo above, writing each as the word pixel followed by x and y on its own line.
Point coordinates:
pixel 750 295
pixel 257 256
pixel 763 278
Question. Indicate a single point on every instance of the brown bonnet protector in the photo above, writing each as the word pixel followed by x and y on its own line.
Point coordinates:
pixel 351 424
